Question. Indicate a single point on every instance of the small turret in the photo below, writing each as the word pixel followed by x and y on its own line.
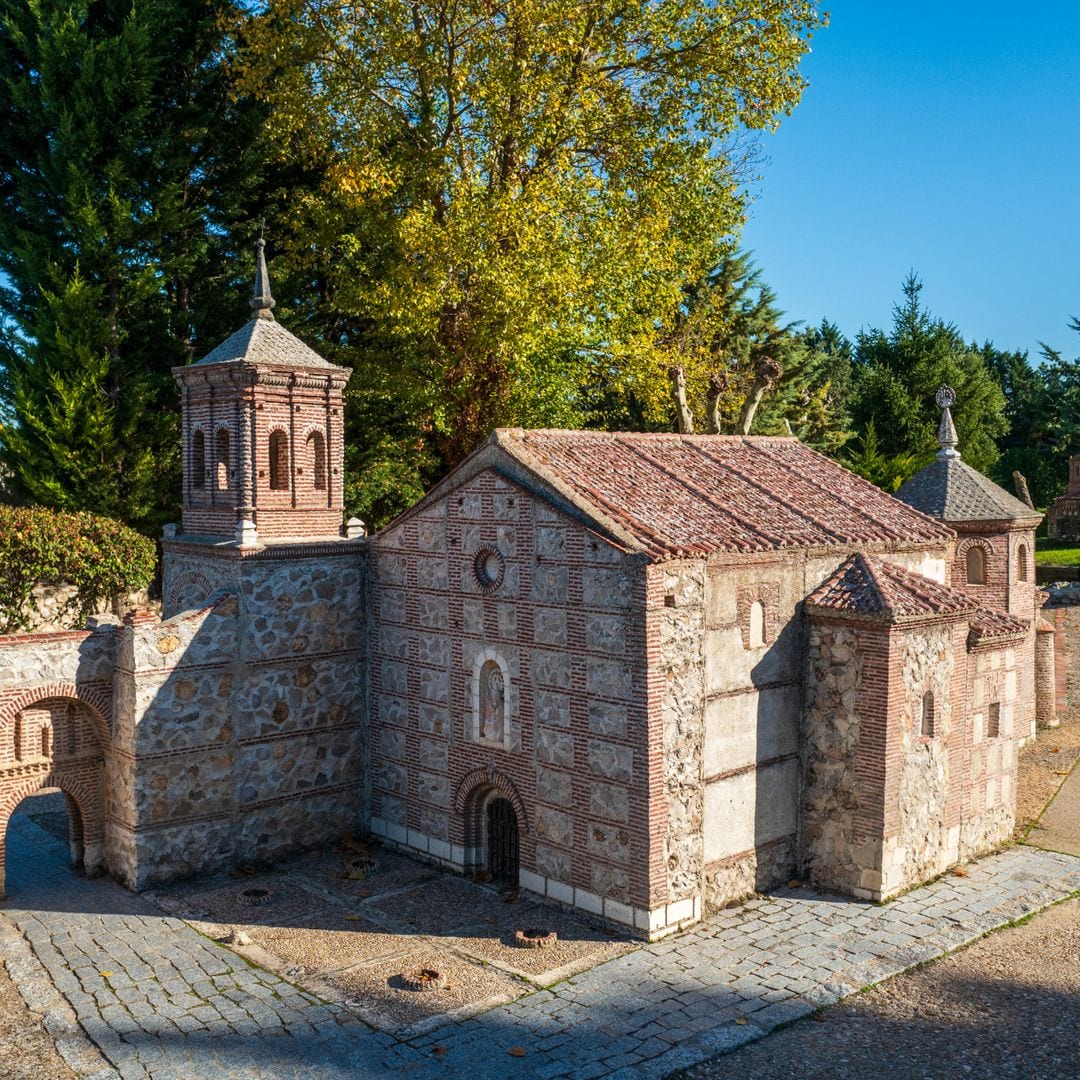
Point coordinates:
pixel 262 433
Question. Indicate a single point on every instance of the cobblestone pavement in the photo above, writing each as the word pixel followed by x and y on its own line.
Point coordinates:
pixel 162 1001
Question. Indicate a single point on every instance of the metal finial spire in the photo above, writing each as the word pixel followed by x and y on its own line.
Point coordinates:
pixel 261 300
pixel 946 399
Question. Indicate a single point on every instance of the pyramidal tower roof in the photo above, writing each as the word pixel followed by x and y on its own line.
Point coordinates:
pixel 263 340
pixel 952 491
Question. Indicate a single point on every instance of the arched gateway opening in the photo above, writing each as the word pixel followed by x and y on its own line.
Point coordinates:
pixel 494 821
pixel 51 749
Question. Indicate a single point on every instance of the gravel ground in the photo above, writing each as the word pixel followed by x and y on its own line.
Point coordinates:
pixel 26 1050
pixel 1006 1006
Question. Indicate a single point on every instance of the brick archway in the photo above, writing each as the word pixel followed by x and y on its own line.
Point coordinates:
pixel 473 793
pixel 56 740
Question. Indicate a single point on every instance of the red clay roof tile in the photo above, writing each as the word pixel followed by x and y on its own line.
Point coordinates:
pixel 695 494
pixel 866 586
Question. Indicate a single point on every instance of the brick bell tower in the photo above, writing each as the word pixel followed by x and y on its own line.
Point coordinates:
pixel 262 435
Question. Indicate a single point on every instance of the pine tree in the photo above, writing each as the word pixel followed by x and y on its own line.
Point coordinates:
pixel 898 373
pixel 123 166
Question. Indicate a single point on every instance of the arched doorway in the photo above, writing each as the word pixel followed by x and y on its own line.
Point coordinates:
pixel 502 840
pixel 54 745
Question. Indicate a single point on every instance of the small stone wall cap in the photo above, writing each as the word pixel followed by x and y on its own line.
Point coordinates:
pixel 169 531
pixel 355 528
pixel 97 622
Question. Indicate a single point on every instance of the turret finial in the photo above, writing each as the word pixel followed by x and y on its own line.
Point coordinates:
pixel 261 300
pixel 946 399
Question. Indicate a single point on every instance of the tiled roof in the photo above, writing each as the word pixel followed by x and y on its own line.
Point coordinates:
pixel 876 588
pixel 990 625
pixel 951 490
pixel 676 495
pixel 263 340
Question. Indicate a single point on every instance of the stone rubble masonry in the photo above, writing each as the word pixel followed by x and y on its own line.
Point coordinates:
pixel 54 607
pixel 884 805
pixel 1062 613
pixel 232 731
pixel 732 711
pixel 247 717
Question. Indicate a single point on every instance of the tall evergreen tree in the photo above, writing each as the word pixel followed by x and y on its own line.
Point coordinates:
pixel 897 374
pixel 123 166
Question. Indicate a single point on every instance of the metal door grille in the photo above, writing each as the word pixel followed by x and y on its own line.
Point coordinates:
pixel 502 841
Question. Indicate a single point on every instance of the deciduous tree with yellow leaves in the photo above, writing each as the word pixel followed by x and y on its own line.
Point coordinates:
pixel 512 189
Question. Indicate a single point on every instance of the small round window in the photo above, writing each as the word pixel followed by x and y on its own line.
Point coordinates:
pixel 489 569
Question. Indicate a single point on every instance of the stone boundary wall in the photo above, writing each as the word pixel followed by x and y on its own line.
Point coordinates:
pixel 1062 612
pixel 245 721
pixel 49 608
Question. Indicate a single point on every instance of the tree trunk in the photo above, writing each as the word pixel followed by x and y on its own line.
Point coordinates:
pixel 768 371
pixel 683 417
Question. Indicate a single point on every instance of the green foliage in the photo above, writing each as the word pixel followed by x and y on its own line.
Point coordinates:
pixel 1057 552
pixel 1043 410
pixel 101 557
pixel 513 197
pixel 896 375
pixel 729 323
pixel 888 471
pixel 123 164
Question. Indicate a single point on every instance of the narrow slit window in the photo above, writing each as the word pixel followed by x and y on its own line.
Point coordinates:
pixel 757 625
pixel 19 737
pixel 317 457
pixel 222 463
pixel 993 720
pixel 1022 563
pixel 198 460
pixel 928 719
pixel 976 566
pixel 46 741
pixel 279 461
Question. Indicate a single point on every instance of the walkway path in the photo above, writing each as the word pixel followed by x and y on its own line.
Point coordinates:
pixel 1058 829
pixel 162 1001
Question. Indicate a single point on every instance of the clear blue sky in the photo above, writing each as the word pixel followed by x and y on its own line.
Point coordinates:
pixel 941 137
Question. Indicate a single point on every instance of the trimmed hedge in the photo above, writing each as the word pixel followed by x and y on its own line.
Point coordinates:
pixel 101 557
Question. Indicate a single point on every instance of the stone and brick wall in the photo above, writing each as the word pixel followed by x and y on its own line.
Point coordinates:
pixel 244 721
pixel 754 673
pixel 1009 587
pixel 55 715
pixel 562 617
pixel 889 800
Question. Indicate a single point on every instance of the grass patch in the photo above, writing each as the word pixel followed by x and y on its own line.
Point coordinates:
pixel 1057 552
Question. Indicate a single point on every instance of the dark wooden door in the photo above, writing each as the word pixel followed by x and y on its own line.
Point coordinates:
pixel 502 841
